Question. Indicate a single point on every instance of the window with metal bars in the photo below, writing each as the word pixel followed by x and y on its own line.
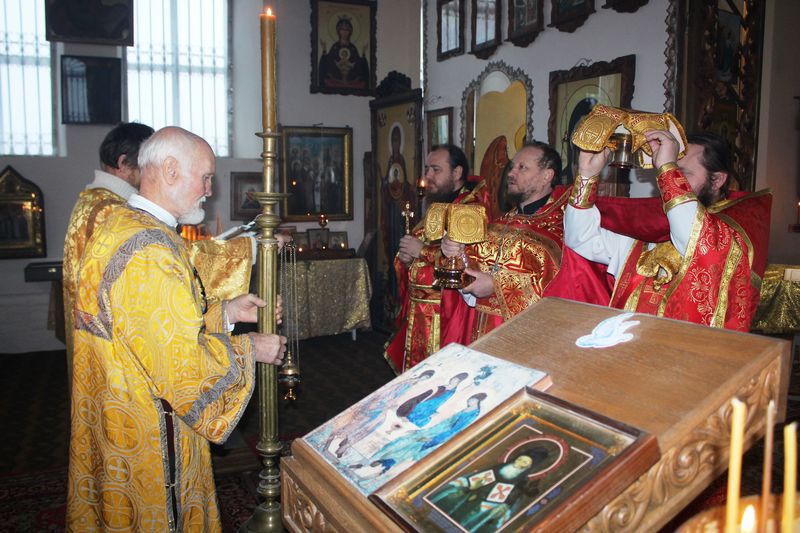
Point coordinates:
pixel 178 68
pixel 26 98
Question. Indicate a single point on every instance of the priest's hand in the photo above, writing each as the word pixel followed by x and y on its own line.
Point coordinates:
pixel 451 248
pixel 591 164
pixel 279 310
pixel 410 248
pixel 244 308
pixel 483 285
pixel 664 145
pixel 270 348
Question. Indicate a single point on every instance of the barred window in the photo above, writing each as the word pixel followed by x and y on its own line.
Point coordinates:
pixel 178 68
pixel 26 99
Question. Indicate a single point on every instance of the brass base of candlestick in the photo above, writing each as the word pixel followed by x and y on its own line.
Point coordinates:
pixel 266 517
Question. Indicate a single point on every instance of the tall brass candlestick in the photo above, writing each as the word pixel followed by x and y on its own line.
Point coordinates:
pixel 267 516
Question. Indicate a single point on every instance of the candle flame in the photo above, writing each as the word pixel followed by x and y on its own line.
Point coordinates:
pixel 269 11
pixel 748 519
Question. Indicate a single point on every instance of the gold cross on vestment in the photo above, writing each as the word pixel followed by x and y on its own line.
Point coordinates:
pixel 407 214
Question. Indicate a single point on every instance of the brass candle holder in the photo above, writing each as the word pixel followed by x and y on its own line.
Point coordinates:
pixel 267 515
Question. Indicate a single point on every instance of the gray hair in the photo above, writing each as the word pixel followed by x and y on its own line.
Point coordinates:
pixel 170 141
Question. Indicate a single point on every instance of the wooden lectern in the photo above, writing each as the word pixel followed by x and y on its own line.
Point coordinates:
pixel 673 380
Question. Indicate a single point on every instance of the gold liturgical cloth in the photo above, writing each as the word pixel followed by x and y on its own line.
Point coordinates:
pixel 464 223
pixel 595 130
pixel 332 296
pixel 779 309
pixel 223 266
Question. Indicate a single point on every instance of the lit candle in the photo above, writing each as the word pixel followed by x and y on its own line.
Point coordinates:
pixel 269 91
pixel 769 438
pixel 735 466
pixel 789 476
pixel 749 520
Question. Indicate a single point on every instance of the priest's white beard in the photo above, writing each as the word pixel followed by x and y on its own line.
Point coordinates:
pixel 196 215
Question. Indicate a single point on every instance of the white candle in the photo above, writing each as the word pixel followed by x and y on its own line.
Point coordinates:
pixel 766 481
pixel 789 476
pixel 735 466
pixel 268 77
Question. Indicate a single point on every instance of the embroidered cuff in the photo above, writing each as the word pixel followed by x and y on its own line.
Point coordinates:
pixel 227 327
pixel 584 192
pixel 674 187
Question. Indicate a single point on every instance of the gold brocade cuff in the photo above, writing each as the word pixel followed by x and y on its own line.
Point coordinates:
pixel 584 192
pixel 672 165
pixel 212 318
pixel 674 187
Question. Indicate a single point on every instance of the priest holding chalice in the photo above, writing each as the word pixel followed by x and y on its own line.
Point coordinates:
pixel 419 324
pixel 522 249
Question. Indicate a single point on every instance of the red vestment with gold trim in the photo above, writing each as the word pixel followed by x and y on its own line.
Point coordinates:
pixel 419 331
pixel 523 253
pixel 719 278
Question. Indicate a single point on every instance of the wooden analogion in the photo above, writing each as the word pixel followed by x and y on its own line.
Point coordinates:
pixel 672 379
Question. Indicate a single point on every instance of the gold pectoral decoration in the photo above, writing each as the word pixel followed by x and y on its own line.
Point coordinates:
pixel 660 263
pixel 594 132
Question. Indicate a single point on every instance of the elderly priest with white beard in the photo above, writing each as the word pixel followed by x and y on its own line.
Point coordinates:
pixel 156 372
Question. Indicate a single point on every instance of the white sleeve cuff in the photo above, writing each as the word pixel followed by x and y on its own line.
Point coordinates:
pixel 470 299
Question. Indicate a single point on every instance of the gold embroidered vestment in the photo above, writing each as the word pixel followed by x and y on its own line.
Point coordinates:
pixel 155 378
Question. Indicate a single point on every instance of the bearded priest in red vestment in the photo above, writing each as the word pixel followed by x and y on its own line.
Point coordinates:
pixel 705 266
pixel 522 253
pixel 418 325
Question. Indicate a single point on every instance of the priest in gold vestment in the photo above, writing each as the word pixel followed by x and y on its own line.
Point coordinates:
pixel 112 186
pixel 522 252
pixel 156 372
pixel 223 265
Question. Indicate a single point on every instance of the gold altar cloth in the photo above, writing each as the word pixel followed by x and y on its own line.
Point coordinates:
pixel 779 309
pixel 332 296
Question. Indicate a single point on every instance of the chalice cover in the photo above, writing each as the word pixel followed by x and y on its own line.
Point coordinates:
pixel 595 129
pixel 466 223
pixel 434 221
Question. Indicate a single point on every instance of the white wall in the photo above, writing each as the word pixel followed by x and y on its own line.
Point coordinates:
pixel 23 306
pixel 605 36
